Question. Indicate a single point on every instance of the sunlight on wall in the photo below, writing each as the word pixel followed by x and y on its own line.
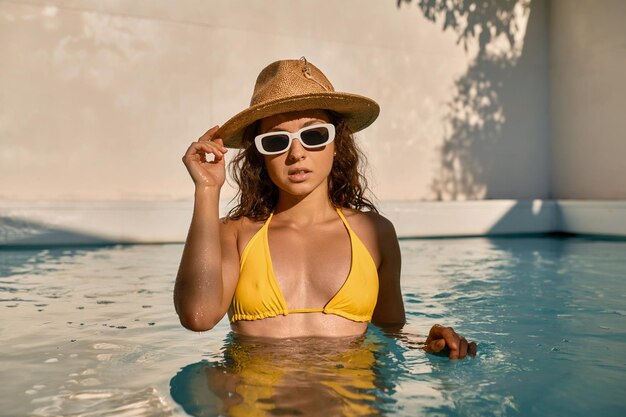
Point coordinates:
pixel 101 99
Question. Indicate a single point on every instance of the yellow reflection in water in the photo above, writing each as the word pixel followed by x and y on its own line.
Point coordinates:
pixel 306 377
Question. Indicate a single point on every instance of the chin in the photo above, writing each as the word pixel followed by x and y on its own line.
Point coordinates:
pixel 300 189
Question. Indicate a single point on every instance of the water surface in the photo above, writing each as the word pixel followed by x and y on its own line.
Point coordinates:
pixel 92 331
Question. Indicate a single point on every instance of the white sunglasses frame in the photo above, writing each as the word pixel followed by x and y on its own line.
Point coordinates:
pixel 295 135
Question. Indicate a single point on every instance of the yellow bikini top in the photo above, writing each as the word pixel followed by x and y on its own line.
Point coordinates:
pixel 258 295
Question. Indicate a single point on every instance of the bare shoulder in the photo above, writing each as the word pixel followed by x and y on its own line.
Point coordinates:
pixel 230 227
pixel 240 230
pixel 370 222
pixel 239 224
pixel 375 231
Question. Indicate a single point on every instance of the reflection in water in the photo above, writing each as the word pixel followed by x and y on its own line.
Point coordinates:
pixel 304 376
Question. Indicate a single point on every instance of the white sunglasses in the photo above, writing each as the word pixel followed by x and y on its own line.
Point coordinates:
pixel 311 137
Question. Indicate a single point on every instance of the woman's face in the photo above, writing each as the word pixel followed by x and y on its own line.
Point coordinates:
pixel 299 171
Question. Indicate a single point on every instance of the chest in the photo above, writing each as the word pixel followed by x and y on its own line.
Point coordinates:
pixel 310 263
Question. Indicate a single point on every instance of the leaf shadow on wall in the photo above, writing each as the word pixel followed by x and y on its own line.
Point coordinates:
pixel 495 142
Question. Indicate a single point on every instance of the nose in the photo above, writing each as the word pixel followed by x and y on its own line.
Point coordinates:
pixel 296 151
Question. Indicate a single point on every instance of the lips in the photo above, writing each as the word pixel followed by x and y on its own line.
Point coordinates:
pixel 298 174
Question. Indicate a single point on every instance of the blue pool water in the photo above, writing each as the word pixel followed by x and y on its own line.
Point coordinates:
pixel 92 331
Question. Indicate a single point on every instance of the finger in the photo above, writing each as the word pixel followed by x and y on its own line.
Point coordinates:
pixel 208 135
pixel 451 338
pixel 220 142
pixel 197 151
pixel 471 349
pixel 197 148
pixel 435 346
pixel 434 333
pixel 462 348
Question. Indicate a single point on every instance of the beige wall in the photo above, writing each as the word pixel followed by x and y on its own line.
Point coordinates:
pixel 588 89
pixel 99 99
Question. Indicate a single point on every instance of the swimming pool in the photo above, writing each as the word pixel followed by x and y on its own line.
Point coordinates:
pixel 92 331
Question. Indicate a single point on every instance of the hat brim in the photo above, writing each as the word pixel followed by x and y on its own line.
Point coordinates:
pixel 357 111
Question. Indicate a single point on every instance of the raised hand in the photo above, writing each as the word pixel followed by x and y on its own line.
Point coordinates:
pixel 206 173
pixel 444 340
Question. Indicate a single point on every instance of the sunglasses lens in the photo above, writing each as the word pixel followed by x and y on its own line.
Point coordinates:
pixel 275 143
pixel 310 137
pixel 316 136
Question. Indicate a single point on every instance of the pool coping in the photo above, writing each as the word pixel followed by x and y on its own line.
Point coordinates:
pixel 42 223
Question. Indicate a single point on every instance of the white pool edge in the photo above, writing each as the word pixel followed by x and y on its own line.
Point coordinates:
pixel 28 223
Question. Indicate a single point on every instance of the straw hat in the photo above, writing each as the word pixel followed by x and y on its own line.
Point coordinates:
pixel 293 85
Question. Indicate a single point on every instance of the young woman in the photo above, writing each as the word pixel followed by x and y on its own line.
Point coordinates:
pixel 304 252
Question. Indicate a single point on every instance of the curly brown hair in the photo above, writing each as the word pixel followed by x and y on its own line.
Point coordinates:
pixel 257 195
